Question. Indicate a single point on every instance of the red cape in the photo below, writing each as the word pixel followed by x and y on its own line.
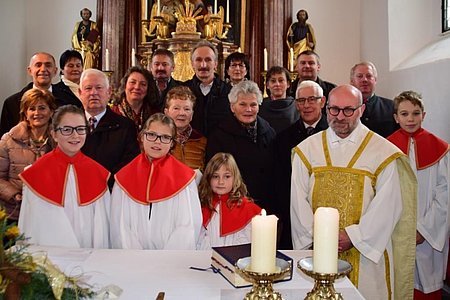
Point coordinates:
pixel 429 149
pixel 231 219
pixel 47 177
pixel 147 182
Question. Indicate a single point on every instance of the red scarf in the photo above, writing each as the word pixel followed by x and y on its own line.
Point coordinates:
pixel 148 182
pixel 234 218
pixel 47 177
pixel 429 149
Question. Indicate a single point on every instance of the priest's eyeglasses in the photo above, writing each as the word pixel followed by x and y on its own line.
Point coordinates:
pixel 153 136
pixel 347 111
pixel 68 130
pixel 310 100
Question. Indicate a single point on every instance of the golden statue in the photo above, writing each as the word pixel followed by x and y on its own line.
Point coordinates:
pixel 86 39
pixel 300 35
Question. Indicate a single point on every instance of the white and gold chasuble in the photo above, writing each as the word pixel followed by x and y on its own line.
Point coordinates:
pixel 358 177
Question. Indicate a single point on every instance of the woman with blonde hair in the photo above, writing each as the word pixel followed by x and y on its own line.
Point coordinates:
pixel 24 144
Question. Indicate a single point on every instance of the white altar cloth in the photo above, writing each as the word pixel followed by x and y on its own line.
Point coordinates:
pixel 142 274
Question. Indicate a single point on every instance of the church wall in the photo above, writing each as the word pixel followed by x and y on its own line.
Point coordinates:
pixel 28 26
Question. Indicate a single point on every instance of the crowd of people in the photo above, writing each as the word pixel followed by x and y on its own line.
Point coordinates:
pixel 186 165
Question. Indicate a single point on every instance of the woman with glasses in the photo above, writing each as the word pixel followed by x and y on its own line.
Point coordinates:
pixel 65 194
pixel 155 202
pixel 237 68
pixel 23 145
pixel 279 109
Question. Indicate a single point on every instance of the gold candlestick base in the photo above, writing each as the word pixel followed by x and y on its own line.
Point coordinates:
pixel 264 75
pixel 323 287
pixel 262 282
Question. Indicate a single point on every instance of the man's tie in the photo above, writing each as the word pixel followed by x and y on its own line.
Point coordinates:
pixel 309 130
pixel 92 121
pixel 162 85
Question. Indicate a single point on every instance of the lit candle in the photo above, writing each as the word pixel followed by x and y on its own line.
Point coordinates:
pixel 291 60
pixel 264 236
pixel 227 19
pixel 133 57
pixel 326 233
pixel 158 8
pixel 215 7
pixel 107 60
pixel 265 59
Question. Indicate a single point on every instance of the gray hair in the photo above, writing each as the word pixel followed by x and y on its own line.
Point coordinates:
pixel 244 88
pixel 364 63
pixel 94 72
pixel 204 43
pixel 309 83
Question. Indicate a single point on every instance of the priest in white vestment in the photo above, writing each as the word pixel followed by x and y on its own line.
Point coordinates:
pixel 372 185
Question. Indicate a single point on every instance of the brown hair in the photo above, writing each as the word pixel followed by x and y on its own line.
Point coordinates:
pixel 238 190
pixel 67 109
pixel 411 96
pixel 180 92
pixel 33 96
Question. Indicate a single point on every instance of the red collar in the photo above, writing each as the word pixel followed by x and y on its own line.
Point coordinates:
pixel 47 177
pixel 234 218
pixel 429 149
pixel 147 182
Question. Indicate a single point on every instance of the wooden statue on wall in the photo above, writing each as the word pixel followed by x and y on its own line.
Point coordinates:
pixel 86 39
pixel 300 35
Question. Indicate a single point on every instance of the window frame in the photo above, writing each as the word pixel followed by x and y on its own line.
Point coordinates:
pixel 445 16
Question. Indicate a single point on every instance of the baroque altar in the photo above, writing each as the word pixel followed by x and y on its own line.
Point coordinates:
pixel 179 27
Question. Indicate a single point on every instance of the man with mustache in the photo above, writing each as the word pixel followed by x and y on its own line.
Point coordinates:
pixel 42 69
pixel 370 182
pixel 379 112
pixel 212 104
pixel 162 66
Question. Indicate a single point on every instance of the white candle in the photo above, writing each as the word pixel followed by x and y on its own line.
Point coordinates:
pixel 133 57
pixel 239 50
pixel 264 236
pixel 265 59
pixel 144 9
pixel 215 7
pixel 326 233
pixel 227 19
pixel 291 60
pixel 107 60
pixel 158 8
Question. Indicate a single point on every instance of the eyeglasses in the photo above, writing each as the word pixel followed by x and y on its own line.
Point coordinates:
pixel 310 100
pixel 68 130
pixel 237 66
pixel 153 136
pixel 347 111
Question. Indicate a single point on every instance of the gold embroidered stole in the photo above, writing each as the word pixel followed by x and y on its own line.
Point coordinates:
pixel 343 189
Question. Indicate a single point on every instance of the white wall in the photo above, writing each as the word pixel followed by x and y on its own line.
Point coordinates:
pixel 28 26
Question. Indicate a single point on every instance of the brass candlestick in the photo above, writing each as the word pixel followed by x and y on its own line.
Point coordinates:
pixel 264 75
pixel 262 282
pixel 323 287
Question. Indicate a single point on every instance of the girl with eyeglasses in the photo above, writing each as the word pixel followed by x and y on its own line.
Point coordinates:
pixel 65 194
pixel 155 202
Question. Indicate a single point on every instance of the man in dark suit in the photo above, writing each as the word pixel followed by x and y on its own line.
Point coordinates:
pixel 162 66
pixel 71 66
pixel 212 105
pixel 310 102
pixel 308 67
pixel 112 141
pixel 378 115
pixel 42 69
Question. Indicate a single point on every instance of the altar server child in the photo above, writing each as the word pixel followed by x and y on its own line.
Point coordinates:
pixel 227 211
pixel 429 157
pixel 155 202
pixel 65 193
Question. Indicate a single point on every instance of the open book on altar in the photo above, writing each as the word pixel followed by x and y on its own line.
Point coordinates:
pixel 224 258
